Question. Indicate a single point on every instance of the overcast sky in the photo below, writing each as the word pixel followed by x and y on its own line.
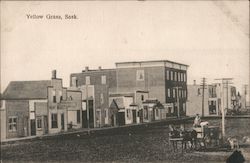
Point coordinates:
pixel 211 37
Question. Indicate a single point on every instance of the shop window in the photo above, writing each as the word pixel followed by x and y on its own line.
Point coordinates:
pixel 54 120
pixel 145 112
pixel 12 124
pixel 157 112
pixel 39 122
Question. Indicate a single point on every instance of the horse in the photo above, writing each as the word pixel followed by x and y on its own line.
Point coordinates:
pixel 189 136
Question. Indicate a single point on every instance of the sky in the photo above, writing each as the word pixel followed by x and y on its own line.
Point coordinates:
pixel 211 37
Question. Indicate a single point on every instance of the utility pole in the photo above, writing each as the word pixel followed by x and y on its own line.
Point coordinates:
pixel 203 86
pixel 87 105
pixel 245 94
pixel 224 81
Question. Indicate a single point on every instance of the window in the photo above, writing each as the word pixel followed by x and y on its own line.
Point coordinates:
pixel 157 112
pixel 171 75
pixel 39 122
pixel 54 120
pixel 145 112
pixel 198 91
pixel 87 80
pixel 128 113
pixel 12 124
pixel 103 79
pixel 101 98
pixel 140 75
pixel 168 92
pixel 142 97
pixel 184 77
pixel 175 76
pixel 173 92
pixel 167 74
pixel 106 113
pixel 74 81
pixel 78 115
pixel 54 96
pixel 61 97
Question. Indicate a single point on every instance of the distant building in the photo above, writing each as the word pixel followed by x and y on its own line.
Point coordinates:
pixel 216 97
pixel 160 78
pixel 245 97
pixel 39 107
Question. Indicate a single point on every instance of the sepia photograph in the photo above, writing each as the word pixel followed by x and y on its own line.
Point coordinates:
pixel 124 81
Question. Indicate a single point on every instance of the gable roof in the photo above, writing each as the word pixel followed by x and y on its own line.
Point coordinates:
pixel 26 90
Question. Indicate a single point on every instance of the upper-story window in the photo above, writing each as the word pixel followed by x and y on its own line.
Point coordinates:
pixel 167 74
pixel 142 97
pixel 173 92
pixel 171 75
pixel 101 98
pixel 87 80
pixel 74 81
pixel 175 76
pixel 198 91
pixel 184 77
pixel 168 92
pixel 103 79
pixel 60 95
pixel 54 96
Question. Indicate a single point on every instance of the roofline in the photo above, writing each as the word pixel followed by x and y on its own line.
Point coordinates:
pixel 24 98
pixel 151 61
pixel 94 70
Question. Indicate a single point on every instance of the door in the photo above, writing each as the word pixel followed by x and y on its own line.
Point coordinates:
pixel 45 122
pixel 62 121
pixel 84 119
pixel 33 127
pixel 134 116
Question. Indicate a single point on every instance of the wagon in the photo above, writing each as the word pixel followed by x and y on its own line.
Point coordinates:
pixel 207 136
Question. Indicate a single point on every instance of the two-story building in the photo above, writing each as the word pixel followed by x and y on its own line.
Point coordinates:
pixel 95 86
pixel 39 107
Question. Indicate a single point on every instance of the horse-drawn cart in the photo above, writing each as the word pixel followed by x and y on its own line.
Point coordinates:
pixel 199 137
pixel 207 136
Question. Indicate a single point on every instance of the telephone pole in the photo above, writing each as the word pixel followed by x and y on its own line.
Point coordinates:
pixel 245 94
pixel 224 81
pixel 203 87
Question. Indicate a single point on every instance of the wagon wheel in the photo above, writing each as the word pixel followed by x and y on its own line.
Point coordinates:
pixel 200 144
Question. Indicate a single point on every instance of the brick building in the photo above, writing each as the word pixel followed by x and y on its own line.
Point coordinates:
pixel 95 86
pixel 164 80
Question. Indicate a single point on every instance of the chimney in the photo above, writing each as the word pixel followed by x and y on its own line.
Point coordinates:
pixel 194 82
pixel 99 68
pixel 54 74
pixel 86 69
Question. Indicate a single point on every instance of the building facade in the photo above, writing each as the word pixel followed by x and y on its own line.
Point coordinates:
pixel 95 86
pixel 35 108
pixel 164 80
